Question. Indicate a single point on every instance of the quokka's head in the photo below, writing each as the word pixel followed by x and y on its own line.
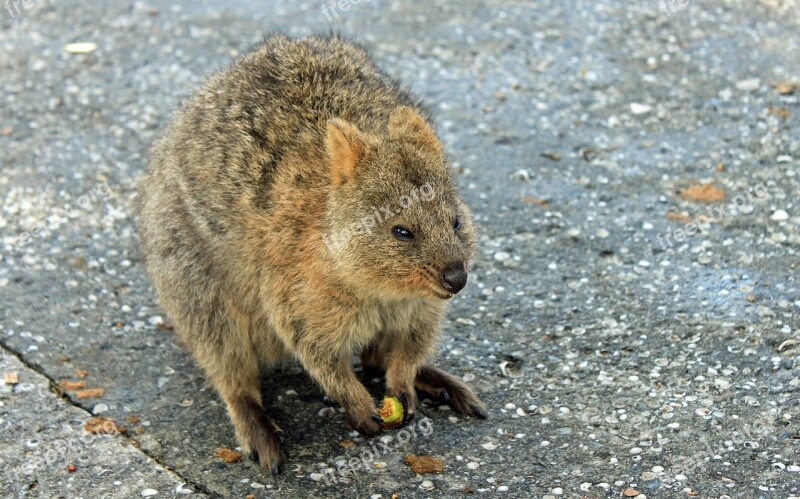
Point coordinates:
pixel 396 223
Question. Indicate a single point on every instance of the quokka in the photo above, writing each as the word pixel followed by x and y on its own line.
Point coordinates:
pixel 298 140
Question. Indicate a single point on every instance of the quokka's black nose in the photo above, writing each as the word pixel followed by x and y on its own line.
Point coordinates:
pixel 454 277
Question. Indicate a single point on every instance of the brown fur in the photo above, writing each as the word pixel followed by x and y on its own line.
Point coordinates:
pixel 295 143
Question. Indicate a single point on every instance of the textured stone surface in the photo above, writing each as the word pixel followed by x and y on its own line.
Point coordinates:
pixel 45 450
pixel 612 355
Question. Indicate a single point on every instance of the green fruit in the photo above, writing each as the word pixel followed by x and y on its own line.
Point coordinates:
pixel 391 412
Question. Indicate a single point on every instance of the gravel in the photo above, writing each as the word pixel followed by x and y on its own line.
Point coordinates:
pixel 625 337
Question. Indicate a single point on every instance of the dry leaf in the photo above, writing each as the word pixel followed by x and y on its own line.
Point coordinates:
pixel 629 492
pixel 81 373
pixel 347 444
pixel 707 193
pixel 780 112
pixel 68 385
pixel 751 297
pixel 11 378
pixel 787 87
pixel 720 167
pixel 424 464
pixel 229 456
pixel 165 327
pixel 90 393
pixel 6 131
pixel 678 217
pixel 133 420
pixel 100 425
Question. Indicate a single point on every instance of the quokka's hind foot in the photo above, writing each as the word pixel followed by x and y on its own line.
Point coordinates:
pixel 438 384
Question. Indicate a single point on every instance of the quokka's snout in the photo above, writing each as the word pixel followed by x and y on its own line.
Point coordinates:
pixel 454 277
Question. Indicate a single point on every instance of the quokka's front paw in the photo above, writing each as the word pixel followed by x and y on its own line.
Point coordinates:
pixel 267 449
pixel 367 423
pixel 258 435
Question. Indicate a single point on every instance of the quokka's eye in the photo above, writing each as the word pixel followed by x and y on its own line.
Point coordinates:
pixel 402 233
pixel 457 224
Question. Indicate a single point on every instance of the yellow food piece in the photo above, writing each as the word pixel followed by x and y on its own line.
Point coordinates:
pixel 391 412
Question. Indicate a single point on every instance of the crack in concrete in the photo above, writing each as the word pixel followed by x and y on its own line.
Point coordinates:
pixel 60 394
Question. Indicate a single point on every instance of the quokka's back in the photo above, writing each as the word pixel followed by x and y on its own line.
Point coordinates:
pixel 275 100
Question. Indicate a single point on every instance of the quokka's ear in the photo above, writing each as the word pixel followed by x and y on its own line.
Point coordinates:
pixel 406 123
pixel 346 148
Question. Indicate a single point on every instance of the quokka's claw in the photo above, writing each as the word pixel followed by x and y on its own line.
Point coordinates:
pixel 478 411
